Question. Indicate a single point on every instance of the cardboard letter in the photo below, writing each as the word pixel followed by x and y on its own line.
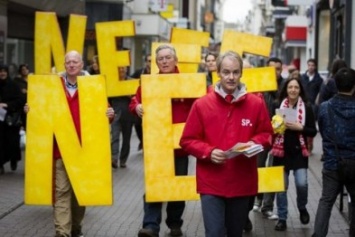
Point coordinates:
pixel 88 163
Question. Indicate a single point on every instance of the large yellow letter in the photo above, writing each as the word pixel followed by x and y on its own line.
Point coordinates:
pixel 161 136
pixel 48 40
pixel 87 163
pixel 111 59
pixel 256 79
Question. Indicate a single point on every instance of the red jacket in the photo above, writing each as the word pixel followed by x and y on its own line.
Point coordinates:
pixel 214 123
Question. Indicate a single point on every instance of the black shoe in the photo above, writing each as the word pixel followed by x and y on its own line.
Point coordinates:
pixel 114 164
pixel 13 164
pixel 248 226
pixel 175 232
pixel 123 164
pixel 304 216
pixel 77 234
pixel 144 232
pixel 281 225
pixel 2 170
pixel 140 146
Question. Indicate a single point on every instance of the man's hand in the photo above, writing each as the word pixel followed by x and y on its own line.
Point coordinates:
pixel 139 110
pixel 218 156
pixel 110 113
pixel 26 108
pixel 3 105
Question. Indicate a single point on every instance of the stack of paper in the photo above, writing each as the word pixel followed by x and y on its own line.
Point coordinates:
pixel 246 149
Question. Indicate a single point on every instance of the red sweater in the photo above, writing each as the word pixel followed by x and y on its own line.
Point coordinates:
pixel 73 103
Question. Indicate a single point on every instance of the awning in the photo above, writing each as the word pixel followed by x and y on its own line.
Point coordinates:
pixel 295 32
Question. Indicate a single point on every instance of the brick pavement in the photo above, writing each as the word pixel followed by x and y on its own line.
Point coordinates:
pixel 123 219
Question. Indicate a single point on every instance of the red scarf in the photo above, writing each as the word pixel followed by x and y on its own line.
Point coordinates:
pixel 278 146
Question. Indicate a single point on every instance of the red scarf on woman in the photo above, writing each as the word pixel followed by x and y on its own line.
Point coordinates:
pixel 278 146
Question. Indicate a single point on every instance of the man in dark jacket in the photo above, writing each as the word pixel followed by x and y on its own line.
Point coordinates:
pixel 11 104
pixel 137 74
pixel 312 82
pixel 337 126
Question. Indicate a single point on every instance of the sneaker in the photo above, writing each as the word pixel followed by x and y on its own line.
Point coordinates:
pixel 256 208
pixel 248 226
pixel 281 225
pixel 144 232
pixel 175 232
pixel 270 215
pixel 304 216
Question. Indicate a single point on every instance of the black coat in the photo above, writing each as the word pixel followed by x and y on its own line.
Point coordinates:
pixel 10 94
pixel 293 158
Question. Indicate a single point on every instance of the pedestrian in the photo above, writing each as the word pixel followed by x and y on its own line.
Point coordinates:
pixel 68 215
pixel 21 81
pixel 94 68
pixel 137 74
pixel 291 149
pixel 336 123
pixel 312 82
pixel 121 124
pixel 210 62
pixel 265 159
pixel 11 104
pixel 328 88
pixel 166 60
pixel 218 121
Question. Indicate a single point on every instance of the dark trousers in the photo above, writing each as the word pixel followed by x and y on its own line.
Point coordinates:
pixel 224 216
pixel 152 210
pixel 332 185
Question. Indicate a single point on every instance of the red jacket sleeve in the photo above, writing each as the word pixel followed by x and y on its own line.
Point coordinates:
pixel 135 100
pixel 192 137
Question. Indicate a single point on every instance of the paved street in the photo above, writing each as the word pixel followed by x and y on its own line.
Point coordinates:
pixel 123 219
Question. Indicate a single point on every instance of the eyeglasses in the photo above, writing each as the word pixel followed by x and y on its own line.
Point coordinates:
pixel 226 73
pixel 167 58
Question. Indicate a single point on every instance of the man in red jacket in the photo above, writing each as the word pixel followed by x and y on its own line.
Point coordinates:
pixel 218 121
pixel 68 215
pixel 166 61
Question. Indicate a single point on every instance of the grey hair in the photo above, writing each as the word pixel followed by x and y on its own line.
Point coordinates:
pixel 229 54
pixel 166 46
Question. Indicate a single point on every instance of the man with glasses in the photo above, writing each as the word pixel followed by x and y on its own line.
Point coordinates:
pixel 166 61
pixel 218 121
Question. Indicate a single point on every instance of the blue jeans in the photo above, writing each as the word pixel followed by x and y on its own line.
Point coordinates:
pixel 223 216
pixel 174 210
pixel 301 182
pixel 331 188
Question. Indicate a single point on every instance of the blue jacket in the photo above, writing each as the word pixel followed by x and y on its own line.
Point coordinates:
pixel 340 129
pixel 312 87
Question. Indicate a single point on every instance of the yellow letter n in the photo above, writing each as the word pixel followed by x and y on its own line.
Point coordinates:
pixel 87 162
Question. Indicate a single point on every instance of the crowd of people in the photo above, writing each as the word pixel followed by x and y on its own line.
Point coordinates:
pixel 228 114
